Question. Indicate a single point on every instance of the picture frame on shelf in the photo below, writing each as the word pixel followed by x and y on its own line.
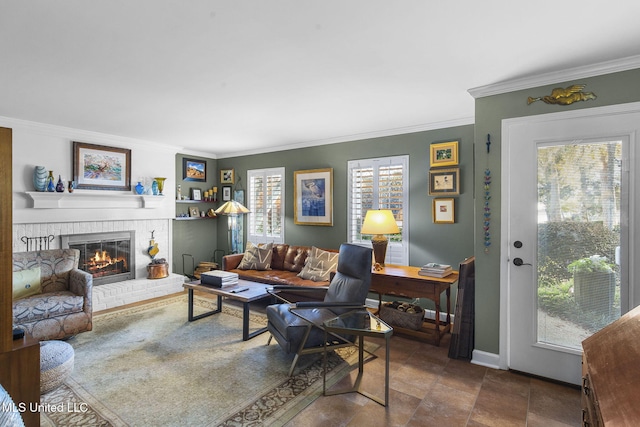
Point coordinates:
pixel 196 194
pixel 227 176
pixel 444 154
pixel 194 170
pixel 444 211
pixel 444 182
pixel 226 193
pixel 99 167
pixel 313 197
pixel 194 212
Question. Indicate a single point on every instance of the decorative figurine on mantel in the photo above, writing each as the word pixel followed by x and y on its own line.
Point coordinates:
pixel 157 268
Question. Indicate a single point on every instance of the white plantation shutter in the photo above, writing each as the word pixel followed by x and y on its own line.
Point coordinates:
pixel 266 195
pixel 380 184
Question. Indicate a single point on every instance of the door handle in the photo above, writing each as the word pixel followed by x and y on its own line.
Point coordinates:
pixel 518 262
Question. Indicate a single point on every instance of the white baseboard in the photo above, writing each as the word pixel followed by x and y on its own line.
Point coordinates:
pixel 482 358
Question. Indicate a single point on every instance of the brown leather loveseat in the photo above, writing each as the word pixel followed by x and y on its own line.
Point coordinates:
pixel 287 263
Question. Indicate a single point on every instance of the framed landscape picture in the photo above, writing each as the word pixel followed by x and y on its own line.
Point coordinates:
pixel 194 170
pixel 444 182
pixel 313 197
pixel 98 167
pixel 444 154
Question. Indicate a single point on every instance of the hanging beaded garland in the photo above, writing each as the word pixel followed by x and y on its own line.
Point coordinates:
pixel 487 210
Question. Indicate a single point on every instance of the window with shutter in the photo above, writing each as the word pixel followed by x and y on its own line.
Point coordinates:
pixel 380 184
pixel 265 200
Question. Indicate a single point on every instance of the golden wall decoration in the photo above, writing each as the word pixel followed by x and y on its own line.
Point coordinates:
pixel 562 96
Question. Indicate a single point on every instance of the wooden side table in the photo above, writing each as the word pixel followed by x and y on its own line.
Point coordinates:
pixel 404 281
pixel 20 376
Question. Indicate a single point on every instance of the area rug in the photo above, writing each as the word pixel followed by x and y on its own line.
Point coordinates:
pixel 148 365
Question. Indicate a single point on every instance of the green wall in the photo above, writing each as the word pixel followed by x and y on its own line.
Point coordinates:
pixel 615 88
pixel 195 237
pixel 445 243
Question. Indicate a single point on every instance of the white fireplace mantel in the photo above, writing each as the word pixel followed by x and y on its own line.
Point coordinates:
pixel 80 200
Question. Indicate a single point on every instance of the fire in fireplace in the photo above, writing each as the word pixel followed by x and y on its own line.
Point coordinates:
pixel 106 256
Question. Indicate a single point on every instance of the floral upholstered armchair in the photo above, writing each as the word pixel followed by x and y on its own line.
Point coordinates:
pixel 51 296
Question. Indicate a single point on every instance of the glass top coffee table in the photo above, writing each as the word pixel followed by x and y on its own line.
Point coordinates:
pixel 360 323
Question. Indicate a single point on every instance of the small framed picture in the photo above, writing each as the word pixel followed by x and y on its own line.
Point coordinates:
pixel 238 196
pixel 227 176
pixel 196 194
pixel 443 211
pixel 444 182
pixel 194 170
pixel 194 212
pixel 444 154
pixel 226 193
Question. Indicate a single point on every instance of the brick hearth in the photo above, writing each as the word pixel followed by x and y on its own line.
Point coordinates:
pixel 121 293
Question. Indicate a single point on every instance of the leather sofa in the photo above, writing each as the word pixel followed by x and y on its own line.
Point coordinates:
pixel 63 307
pixel 286 263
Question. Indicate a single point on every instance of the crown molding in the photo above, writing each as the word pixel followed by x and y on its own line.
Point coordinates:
pixel 608 67
pixel 84 135
pixel 357 137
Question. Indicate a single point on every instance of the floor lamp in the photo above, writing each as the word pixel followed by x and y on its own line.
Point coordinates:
pixel 379 222
pixel 231 209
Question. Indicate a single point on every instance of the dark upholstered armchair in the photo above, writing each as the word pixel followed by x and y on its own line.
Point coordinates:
pixel 297 327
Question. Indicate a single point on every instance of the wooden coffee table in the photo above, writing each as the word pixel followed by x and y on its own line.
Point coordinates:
pixel 245 292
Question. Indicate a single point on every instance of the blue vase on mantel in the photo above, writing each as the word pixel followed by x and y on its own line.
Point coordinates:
pixel 51 185
pixel 40 178
pixel 139 188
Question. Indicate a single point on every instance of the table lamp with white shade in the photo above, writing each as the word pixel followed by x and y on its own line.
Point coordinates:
pixel 379 222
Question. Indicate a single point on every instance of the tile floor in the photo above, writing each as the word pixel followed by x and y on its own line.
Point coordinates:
pixel 429 389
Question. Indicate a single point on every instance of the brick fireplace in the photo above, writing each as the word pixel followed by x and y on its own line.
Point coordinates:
pixel 107 256
pixel 133 287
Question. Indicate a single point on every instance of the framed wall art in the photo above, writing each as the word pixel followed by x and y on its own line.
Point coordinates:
pixel 226 193
pixel 444 211
pixel 98 167
pixel 444 182
pixel 444 154
pixel 194 170
pixel 313 197
pixel 227 176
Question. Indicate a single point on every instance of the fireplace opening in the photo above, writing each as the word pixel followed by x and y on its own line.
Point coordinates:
pixel 108 257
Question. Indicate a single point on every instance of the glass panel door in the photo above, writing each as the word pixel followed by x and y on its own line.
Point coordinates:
pixel 579 211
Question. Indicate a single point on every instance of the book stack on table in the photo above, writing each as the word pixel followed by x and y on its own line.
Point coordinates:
pixel 219 278
pixel 435 270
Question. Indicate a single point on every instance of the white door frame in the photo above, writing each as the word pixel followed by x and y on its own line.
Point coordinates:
pixel 634 210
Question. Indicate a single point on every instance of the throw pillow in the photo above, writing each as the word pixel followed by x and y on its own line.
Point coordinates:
pixel 26 282
pixel 319 265
pixel 257 258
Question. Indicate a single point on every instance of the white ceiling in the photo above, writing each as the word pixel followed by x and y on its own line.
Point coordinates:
pixel 238 76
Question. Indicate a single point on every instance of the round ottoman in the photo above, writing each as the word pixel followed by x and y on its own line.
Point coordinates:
pixel 56 363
